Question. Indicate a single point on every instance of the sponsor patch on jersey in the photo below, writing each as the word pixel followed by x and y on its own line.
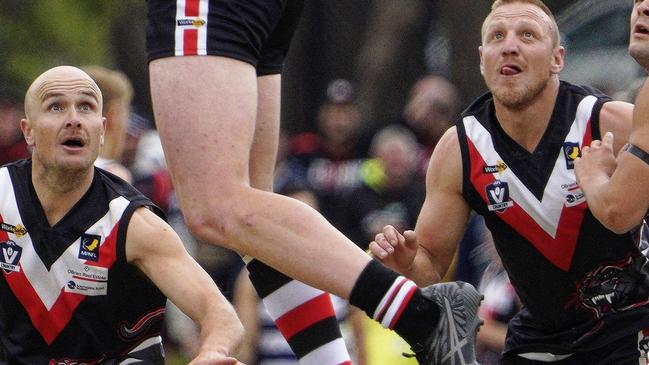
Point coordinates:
pixel 571 151
pixel 498 196
pixel 87 280
pixel 10 256
pixel 194 22
pixel 89 247
pixel 19 230
pixel 573 194
pixel 497 168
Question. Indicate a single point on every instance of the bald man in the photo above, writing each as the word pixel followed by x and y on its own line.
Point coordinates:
pixel 86 259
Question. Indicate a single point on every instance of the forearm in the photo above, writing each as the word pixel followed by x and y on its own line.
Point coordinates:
pixel 619 202
pixel 220 328
pixel 596 187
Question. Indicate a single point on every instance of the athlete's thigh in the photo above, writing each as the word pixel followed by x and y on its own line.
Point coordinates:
pixel 264 147
pixel 205 109
pixel 217 112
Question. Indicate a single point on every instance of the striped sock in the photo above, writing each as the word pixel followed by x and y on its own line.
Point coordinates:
pixel 395 302
pixel 304 315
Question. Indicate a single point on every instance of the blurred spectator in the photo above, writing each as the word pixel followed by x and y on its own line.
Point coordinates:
pixel 288 168
pixel 431 109
pixel 137 127
pixel 390 194
pixel 117 92
pixel 12 144
pixel 150 174
pixel 498 307
pixel 470 261
pixel 331 159
pixel 263 344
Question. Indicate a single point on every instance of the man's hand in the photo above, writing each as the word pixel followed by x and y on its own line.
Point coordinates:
pixel 395 250
pixel 597 159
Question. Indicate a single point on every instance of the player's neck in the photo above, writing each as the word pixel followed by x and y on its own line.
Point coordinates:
pixel 527 124
pixel 59 190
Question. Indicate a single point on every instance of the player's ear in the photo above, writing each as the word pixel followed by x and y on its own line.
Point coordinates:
pixel 28 132
pixel 481 63
pixel 557 60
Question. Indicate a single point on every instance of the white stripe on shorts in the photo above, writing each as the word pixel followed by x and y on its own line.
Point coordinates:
pixel 184 22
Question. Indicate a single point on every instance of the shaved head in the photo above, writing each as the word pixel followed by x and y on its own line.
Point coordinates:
pixel 52 80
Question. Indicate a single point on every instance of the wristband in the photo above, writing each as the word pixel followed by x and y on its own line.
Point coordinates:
pixel 637 152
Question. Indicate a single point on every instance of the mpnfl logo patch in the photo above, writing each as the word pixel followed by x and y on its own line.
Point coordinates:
pixel 10 256
pixel 571 151
pixel 89 247
pixel 498 196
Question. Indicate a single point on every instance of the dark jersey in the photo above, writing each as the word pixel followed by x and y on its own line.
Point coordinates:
pixel 581 285
pixel 67 294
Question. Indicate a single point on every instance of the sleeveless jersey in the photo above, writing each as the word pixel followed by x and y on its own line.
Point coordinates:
pixel 581 285
pixel 67 294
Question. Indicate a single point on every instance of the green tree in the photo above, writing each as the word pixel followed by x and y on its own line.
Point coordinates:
pixel 37 35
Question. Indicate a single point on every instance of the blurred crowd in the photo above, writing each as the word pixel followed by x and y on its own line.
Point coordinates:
pixel 360 180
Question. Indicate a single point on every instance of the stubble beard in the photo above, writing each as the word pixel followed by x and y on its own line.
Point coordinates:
pixel 641 55
pixel 518 98
pixel 62 177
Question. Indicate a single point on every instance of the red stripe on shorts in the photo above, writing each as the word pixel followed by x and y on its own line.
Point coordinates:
pixel 190 42
pixel 191 7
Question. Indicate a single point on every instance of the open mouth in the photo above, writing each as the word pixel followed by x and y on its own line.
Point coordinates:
pixel 510 70
pixel 74 142
pixel 641 29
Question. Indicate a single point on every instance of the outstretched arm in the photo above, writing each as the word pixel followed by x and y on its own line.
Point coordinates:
pixel 153 246
pixel 617 191
pixel 425 255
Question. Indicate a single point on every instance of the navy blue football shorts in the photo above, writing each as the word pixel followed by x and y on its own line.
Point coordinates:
pixel 258 32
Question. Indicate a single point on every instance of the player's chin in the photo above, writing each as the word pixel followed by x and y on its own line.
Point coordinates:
pixel 75 163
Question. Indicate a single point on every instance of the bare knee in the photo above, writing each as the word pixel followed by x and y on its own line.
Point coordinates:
pixel 212 227
pixel 219 219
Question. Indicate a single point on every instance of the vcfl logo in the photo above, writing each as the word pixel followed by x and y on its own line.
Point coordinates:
pixel 10 257
pixel 498 196
pixel 9 254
